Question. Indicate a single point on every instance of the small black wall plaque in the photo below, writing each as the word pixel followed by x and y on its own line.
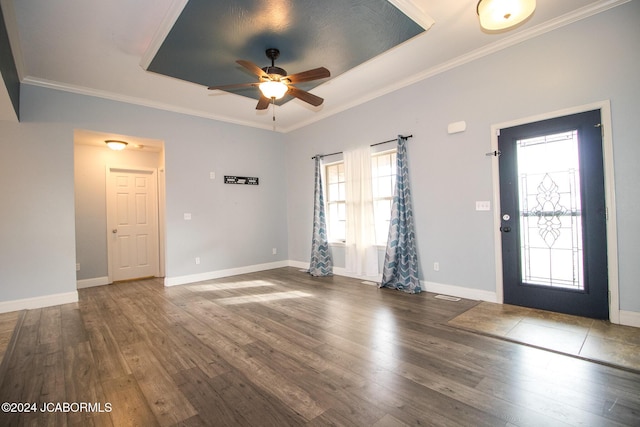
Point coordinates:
pixel 240 180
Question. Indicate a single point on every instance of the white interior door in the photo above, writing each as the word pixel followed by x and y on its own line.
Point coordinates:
pixel 132 224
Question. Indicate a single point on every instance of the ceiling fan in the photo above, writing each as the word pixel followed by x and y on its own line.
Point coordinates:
pixel 275 82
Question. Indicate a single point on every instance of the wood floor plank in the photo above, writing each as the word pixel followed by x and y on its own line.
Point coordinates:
pixel 283 348
pixel 110 363
pixel 83 385
pixel 166 401
pixel 128 404
pixel 231 400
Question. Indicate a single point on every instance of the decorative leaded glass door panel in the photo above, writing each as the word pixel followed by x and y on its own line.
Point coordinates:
pixel 553 215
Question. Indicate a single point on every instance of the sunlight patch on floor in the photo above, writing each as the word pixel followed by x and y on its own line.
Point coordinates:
pixel 263 297
pixel 231 285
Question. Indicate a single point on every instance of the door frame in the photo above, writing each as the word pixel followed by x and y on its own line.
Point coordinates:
pixel 156 172
pixel 609 189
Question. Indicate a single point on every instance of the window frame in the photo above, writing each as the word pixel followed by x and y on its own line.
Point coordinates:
pixel 341 202
pixel 375 184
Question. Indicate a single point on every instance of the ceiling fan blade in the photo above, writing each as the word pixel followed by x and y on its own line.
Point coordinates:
pixel 253 68
pixel 306 76
pixel 233 86
pixel 305 96
pixel 263 103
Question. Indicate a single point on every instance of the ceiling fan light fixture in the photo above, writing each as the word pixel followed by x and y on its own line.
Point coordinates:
pixel 115 144
pixel 273 89
pixel 496 15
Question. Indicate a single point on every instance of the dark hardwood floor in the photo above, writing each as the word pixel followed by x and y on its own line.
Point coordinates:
pixel 281 348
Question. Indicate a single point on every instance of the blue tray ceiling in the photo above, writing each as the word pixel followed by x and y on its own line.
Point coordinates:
pixel 210 35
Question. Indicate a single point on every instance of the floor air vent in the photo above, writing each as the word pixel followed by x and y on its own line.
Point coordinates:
pixel 447 297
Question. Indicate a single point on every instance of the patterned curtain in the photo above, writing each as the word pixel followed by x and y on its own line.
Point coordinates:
pixel 321 263
pixel 400 269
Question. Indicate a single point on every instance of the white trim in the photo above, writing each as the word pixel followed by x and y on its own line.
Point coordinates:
pixel 38 302
pixel 339 271
pixel 630 318
pixel 438 288
pixel 162 32
pixel 519 37
pixel 413 10
pixel 90 283
pixel 459 291
pixel 512 40
pixel 610 199
pixel 97 93
pixel 210 275
pixel 298 264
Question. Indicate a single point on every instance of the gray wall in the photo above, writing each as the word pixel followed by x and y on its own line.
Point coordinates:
pixel 235 226
pixel 232 226
pixel 592 60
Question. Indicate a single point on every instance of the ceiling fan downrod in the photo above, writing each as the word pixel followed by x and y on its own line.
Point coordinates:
pixel 273 54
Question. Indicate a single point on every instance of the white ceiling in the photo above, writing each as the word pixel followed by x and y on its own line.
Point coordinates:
pixel 97 47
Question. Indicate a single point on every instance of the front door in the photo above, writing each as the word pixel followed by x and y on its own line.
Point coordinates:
pixel 553 215
pixel 132 212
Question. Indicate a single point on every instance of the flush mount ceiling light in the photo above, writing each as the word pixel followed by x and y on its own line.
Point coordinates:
pixel 115 144
pixel 496 15
pixel 273 89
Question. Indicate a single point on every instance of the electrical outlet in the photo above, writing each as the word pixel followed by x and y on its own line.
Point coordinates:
pixel 212 175
pixel 197 260
pixel 274 251
pixel 483 205
pixel 78 267
pixel 187 216
pixel 436 266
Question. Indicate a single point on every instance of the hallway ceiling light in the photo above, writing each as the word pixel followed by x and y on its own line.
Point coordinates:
pixel 115 144
pixel 498 15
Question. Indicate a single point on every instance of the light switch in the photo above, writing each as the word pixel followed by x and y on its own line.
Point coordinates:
pixel 187 217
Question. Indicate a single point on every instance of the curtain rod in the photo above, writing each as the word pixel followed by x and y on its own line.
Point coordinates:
pixel 372 145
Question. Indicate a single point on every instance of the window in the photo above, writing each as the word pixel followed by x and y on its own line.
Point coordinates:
pixel 383 176
pixel 336 202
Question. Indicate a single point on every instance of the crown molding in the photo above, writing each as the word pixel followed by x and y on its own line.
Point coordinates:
pixel 512 40
pixel 162 32
pixel 139 101
pixel 178 6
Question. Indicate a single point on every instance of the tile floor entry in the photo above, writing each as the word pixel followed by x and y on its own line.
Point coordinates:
pixel 591 339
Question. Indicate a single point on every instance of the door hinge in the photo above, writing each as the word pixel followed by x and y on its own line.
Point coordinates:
pixel 495 153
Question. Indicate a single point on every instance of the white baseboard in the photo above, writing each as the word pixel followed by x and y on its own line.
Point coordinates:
pixel 89 283
pixel 338 271
pixel 298 264
pixel 210 275
pixel 343 272
pixel 459 291
pixel 38 302
pixel 630 318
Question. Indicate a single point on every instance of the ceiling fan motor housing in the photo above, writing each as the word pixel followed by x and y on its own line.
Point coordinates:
pixel 275 70
pixel 273 54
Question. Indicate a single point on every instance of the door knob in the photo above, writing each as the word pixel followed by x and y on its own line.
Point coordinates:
pixel 505 229
pixel 114 231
